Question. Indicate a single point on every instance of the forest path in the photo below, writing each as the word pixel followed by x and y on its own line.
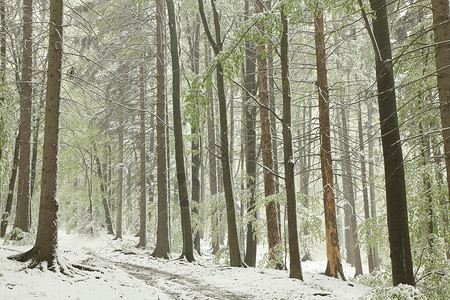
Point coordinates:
pixel 176 285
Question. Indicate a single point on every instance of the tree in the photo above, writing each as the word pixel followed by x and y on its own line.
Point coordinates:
pixel 162 248
pixel 120 178
pixel 394 173
pixel 273 236
pixel 250 143
pixel 334 265
pixel 188 252
pixel 217 44
pixel 45 249
pixel 142 197
pixel 12 184
pixel 23 208
pixel 348 183
pixel 295 268
pixel 441 28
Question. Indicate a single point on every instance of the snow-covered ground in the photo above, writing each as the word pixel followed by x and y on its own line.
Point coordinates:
pixel 125 272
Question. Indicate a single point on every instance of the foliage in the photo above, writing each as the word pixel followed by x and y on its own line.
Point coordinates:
pixel 402 291
pixel 17 237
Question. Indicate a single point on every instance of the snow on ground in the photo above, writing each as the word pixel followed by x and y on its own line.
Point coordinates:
pixel 129 273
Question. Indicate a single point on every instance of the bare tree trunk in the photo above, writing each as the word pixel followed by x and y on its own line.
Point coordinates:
pixel 364 187
pixel 441 27
pixel 348 180
pixel 103 190
pixel 212 156
pixel 373 203
pixel 188 252
pixel 273 237
pixel 334 265
pixel 295 267
pixel 23 208
pixel 233 239
pixel 12 184
pixel 162 248
pixel 250 144
pixel 397 213
pixel 119 211
pixel 142 163
pixel 46 246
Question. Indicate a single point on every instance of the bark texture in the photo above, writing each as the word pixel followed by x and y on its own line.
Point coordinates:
pixel 397 213
pixel 334 265
pixel 295 268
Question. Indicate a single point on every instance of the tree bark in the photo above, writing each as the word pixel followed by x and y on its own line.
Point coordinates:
pixel 334 265
pixel 295 268
pixel 397 213
pixel 364 187
pixel 441 27
pixel 188 252
pixel 142 162
pixel 119 219
pixel 23 208
pixel 46 246
pixel 12 184
pixel 162 248
pixel 250 144
pixel 233 239
pixel 348 181
pixel 273 236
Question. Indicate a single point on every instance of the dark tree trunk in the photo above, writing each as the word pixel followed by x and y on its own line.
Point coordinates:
pixel 441 27
pixel 295 268
pixel 46 246
pixel 12 184
pixel 233 239
pixel 188 252
pixel 103 190
pixel 397 213
pixel 334 265
pixel 250 144
pixel 142 163
pixel 23 208
pixel 162 248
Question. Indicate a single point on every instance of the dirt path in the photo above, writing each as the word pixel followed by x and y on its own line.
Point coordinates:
pixel 177 286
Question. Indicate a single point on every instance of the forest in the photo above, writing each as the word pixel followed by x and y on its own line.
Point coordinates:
pixel 214 149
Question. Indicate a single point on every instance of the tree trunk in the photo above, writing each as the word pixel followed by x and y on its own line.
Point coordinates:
pixel 46 246
pixel 195 135
pixel 364 187
pixel 142 169
pixel 188 252
pixel 233 239
pixel 295 268
pixel 373 203
pixel 23 208
pixel 103 190
pixel 12 184
pixel 334 266
pixel 273 237
pixel 348 180
pixel 397 213
pixel 441 27
pixel 250 144
pixel 162 248
pixel 212 156
pixel 119 219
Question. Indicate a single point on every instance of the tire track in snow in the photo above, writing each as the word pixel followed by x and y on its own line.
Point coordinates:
pixel 178 286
